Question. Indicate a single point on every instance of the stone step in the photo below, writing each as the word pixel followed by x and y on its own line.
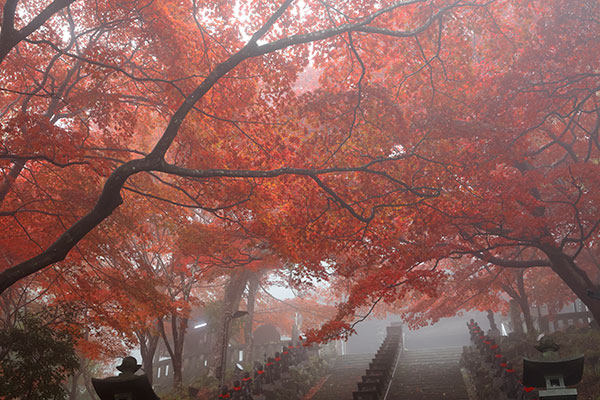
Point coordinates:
pixel 351 361
pixel 431 356
pixel 430 374
pixel 345 374
pixel 441 351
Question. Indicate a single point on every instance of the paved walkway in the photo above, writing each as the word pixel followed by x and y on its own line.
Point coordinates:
pixel 346 372
pixel 428 374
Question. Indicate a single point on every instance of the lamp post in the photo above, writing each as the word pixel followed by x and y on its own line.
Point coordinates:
pixel 221 369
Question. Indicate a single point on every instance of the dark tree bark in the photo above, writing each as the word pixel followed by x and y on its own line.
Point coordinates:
pixel 593 258
pixel 73 391
pixel 519 295
pixel 565 267
pixel 10 37
pixel 523 301
pixel 175 349
pixel 231 301
pixel 148 345
pixel 575 278
pixel 87 382
pixel 253 281
pixel 515 317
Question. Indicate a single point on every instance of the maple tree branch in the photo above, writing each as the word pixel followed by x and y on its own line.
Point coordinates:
pixel 359 95
pixel 593 258
pixel 9 37
pixel 341 202
pixel 109 200
pixel 350 329
pixel 8 179
pixel 512 263
pixel 26 232
pixel 338 30
pixel 312 173
pixel 8 34
pixel 35 94
pixel 308 311
pixel 482 290
pixel 116 68
pixel 236 125
pixel 41 158
pixel 22 210
pixel 240 173
pixel 151 196
pixel 196 204
pixel 118 150
pixel 43 16
pixel 163 333
pixel 169 134
pixel 8 14
pixel 110 197
pixel 269 23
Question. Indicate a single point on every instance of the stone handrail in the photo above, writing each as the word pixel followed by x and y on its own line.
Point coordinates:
pixel 265 376
pixel 488 356
pixel 374 383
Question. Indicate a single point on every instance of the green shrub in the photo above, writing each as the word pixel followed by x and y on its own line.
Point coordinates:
pixel 34 360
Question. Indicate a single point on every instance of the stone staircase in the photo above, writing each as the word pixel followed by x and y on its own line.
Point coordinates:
pixel 428 374
pixel 346 371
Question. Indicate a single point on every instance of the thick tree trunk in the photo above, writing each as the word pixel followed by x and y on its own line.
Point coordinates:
pixel 175 349
pixel 253 281
pixel 231 300
pixel 523 301
pixel 148 345
pixel 87 382
pixel 576 279
pixel 520 299
pixel 177 371
pixel 73 392
pixel 593 258
pixel 515 317
pixel 524 305
pixel 178 356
